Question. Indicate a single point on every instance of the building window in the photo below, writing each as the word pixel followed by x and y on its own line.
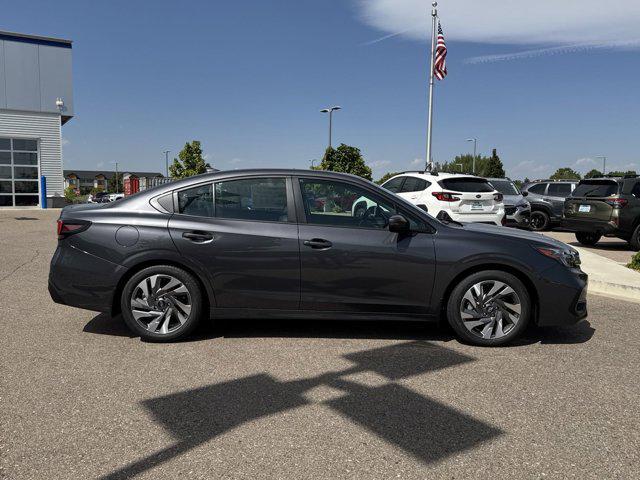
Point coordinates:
pixel 19 183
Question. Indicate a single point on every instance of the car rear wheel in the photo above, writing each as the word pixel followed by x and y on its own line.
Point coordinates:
pixel 539 221
pixel 162 303
pixel 489 308
pixel 587 238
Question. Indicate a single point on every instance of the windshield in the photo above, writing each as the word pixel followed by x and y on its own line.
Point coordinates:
pixel 505 187
pixel 466 184
pixel 596 188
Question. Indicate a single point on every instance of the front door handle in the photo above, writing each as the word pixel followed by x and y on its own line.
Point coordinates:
pixel 318 243
pixel 198 237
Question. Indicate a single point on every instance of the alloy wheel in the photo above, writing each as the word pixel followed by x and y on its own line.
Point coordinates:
pixel 490 309
pixel 537 221
pixel 161 304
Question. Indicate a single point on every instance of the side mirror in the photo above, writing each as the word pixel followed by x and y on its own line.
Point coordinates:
pixel 524 193
pixel 398 224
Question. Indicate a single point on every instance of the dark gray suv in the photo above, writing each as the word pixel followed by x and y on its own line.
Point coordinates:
pixel 290 244
pixel 547 202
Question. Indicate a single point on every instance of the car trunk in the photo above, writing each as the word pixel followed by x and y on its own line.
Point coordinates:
pixel 589 200
pixel 476 195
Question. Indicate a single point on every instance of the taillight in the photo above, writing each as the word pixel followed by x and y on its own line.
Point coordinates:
pixel 617 202
pixel 69 227
pixel 498 197
pixel 446 196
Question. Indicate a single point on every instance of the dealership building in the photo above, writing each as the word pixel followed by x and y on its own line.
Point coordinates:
pixel 36 100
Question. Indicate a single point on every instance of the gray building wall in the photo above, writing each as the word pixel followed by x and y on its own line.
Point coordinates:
pixel 46 128
pixel 34 75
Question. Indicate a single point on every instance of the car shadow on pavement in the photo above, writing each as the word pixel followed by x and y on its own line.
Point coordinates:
pixel 424 428
pixel 104 324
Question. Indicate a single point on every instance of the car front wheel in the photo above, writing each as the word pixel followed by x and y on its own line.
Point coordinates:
pixel 539 221
pixel 161 303
pixel 489 308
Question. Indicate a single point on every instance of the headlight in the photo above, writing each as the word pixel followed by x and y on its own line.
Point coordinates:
pixel 523 205
pixel 569 258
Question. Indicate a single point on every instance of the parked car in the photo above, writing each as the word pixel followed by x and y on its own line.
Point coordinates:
pixel 115 196
pixel 463 198
pixel 251 243
pixel 516 207
pixel 605 206
pixel 547 202
pixel 96 198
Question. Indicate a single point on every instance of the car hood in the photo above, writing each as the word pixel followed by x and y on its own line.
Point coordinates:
pixel 514 233
pixel 512 199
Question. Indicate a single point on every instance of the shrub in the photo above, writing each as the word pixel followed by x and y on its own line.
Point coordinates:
pixel 635 262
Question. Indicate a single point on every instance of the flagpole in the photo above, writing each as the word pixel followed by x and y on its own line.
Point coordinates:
pixel 434 14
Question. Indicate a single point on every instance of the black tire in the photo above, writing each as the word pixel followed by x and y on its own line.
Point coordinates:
pixel 587 238
pixel 180 329
pixel 455 303
pixel 539 221
pixel 634 241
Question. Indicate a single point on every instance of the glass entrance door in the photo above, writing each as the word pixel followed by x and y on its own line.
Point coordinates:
pixel 19 182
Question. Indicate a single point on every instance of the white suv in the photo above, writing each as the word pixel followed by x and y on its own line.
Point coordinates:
pixel 464 198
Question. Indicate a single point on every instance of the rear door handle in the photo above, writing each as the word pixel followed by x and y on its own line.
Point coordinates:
pixel 198 237
pixel 318 243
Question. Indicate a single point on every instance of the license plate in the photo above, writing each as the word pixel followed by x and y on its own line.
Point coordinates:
pixel 584 208
pixel 476 206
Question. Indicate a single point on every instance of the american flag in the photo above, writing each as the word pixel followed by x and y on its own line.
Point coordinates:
pixel 440 62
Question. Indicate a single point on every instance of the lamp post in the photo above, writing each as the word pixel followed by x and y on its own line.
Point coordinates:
pixel 166 161
pixel 604 163
pixel 475 147
pixel 117 191
pixel 330 111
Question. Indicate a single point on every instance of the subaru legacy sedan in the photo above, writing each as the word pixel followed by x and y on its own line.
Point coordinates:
pixel 287 244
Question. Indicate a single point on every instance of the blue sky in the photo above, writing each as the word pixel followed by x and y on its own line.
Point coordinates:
pixel 248 78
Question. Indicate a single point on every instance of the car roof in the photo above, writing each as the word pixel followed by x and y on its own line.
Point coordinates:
pixel 436 175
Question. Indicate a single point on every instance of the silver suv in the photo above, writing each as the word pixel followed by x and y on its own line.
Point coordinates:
pixel 547 201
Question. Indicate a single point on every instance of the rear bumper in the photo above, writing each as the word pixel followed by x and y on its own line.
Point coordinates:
pixel 492 218
pixel 82 280
pixel 562 296
pixel 590 226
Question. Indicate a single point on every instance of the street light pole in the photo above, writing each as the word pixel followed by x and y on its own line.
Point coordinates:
pixel 166 161
pixel 330 111
pixel 475 147
pixel 604 163
pixel 117 191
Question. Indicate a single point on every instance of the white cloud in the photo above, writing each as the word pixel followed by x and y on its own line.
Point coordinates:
pixel 417 161
pixel 236 161
pixel 379 164
pixel 100 164
pixel 65 141
pixel 544 22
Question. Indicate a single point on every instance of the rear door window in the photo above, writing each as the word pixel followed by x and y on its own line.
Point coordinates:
pixel 596 188
pixel 394 185
pixel 466 185
pixel 258 199
pixel 196 201
pixel 413 184
pixel 559 189
pixel 538 188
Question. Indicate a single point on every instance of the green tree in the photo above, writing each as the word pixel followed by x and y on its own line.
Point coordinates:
pixel 618 173
pixel 116 179
pixel 345 159
pixel 565 173
pixel 493 168
pixel 386 177
pixel 593 173
pixel 70 194
pixel 189 162
pixel 518 184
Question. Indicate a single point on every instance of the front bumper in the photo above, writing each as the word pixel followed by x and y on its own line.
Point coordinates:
pixel 562 296
pixel 518 217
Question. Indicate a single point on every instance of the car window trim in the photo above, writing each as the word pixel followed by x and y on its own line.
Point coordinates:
pixel 302 214
pixel 291 210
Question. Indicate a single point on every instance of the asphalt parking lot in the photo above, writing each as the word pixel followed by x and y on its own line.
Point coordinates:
pixel 81 398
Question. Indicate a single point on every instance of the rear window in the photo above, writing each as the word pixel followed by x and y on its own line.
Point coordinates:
pixel 505 187
pixel 466 185
pixel 413 184
pixel 596 188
